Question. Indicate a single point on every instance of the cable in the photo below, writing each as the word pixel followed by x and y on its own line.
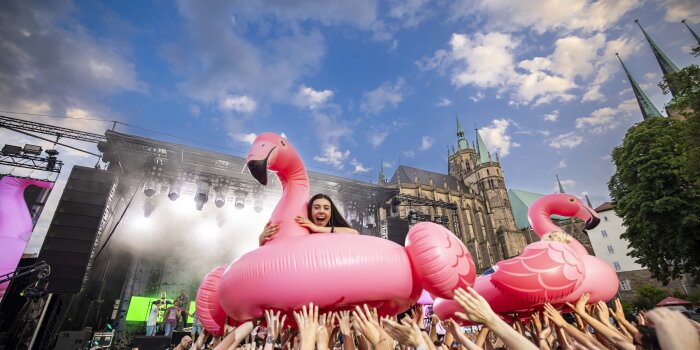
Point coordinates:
pixel 59 116
pixel 120 219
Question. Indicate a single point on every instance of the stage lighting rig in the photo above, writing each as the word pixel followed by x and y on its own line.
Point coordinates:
pixel 219 197
pixel 12 150
pixel 202 194
pixel 239 199
pixel 150 186
pixel 32 149
pixel 174 189
pixel 51 159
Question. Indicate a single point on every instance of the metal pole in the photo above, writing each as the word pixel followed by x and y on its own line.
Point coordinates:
pixel 41 319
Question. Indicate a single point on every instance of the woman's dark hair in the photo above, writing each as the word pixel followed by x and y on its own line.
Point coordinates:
pixel 648 338
pixel 336 220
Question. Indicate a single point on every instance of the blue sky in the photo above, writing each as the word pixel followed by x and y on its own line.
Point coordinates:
pixel 350 82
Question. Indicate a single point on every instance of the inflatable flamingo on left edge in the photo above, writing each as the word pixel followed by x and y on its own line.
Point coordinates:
pixel 334 271
pixel 15 222
pixel 547 271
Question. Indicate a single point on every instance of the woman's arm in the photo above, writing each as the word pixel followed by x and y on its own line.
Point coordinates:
pixel 305 222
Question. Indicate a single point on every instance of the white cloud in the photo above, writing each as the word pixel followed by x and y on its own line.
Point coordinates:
pixel 376 138
pixel 243 104
pixel 568 140
pixel 552 117
pixel 246 138
pixel 496 138
pixel 359 168
pixel 477 97
pixel 562 164
pixel 607 157
pixel 310 98
pixel 651 76
pixel 604 119
pixel 484 60
pixel 333 156
pixel 409 154
pixel 568 184
pixel 388 164
pixel 388 95
pixel 512 15
pixel 677 10
pixel 426 142
pixel 444 102
pixel 410 12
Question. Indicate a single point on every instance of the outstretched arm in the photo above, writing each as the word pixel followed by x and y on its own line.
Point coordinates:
pixel 477 309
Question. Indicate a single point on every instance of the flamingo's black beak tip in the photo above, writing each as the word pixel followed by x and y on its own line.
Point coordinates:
pixel 258 168
pixel 592 222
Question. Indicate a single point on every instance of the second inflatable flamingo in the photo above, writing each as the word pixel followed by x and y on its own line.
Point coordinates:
pixel 334 270
pixel 546 271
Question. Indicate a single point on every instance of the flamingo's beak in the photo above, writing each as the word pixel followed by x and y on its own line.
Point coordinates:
pixel 258 168
pixel 590 217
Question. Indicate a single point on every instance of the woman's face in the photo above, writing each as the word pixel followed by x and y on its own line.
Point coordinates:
pixel 320 212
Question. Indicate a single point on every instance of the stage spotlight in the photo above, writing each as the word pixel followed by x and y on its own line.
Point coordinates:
pixel 149 206
pixel 150 186
pixel 174 189
pixel 258 204
pixel 239 199
pixel 220 197
pixel 51 159
pixel 202 194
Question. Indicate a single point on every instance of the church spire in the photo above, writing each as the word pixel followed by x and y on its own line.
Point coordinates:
pixel 695 35
pixel 462 142
pixel 561 188
pixel 382 179
pixel 667 66
pixel 588 201
pixel 483 155
pixel 648 109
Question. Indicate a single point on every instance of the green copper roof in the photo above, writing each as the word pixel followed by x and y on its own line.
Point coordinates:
pixel 695 35
pixel 462 142
pixel 483 152
pixel 561 188
pixel 520 202
pixel 648 109
pixel 667 66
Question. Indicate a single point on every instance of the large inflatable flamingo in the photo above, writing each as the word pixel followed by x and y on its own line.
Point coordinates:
pixel 334 270
pixel 546 271
pixel 15 222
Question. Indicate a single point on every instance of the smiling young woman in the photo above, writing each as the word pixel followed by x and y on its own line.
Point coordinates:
pixel 323 217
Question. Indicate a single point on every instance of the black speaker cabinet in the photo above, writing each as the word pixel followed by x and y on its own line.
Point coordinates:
pixel 80 218
pixel 397 229
pixel 156 342
pixel 73 340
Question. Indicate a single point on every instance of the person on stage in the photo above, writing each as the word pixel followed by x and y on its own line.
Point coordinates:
pixel 185 308
pixel 172 316
pixel 153 318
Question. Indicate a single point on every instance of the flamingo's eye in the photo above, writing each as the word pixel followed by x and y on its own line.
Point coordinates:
pixel 572 200
pixel 282 143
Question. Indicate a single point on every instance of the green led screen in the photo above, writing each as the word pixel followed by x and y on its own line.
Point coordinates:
pixel 139 307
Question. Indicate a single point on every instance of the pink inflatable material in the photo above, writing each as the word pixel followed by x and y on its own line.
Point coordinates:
pixel 209 311
pixel 546 271
pixel 425 298
pixel 15 222
pixel 334 271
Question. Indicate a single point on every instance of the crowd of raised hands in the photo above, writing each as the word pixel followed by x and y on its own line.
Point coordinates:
pixel 363 329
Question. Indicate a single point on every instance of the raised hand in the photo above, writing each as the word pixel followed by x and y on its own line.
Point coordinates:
pixel 476 308
pixel 343 318
pixel 673 330
pixel 268 233
pixel 325 329
pixel 305 222
pixel 603 313
pixel 543 338
pixel 367 324
pixel 554 315
pixel 274 324
pixel 580 307
pixel 307 323
pixel 406 333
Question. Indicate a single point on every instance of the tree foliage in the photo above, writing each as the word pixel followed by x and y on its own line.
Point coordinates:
pixel 648 296
pixel 657 200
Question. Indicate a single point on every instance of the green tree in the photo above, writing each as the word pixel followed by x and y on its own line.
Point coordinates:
pixel 648 296
pixel 658 202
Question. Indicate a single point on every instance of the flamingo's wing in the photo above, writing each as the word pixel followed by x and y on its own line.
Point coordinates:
pixel 544 271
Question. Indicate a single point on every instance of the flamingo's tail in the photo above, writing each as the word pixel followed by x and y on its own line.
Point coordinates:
pixel 439 259
pixel 209 311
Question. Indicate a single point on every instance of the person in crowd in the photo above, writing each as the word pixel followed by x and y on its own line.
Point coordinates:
pixel 171 318
pixel 323 217
pixel 152 320
pixel 184 301
pixel 196 326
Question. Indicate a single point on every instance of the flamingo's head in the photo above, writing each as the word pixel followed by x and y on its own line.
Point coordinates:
pixel 565 204
pixel 269 151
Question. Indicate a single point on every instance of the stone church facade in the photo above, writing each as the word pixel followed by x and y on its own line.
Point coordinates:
pixel 471 200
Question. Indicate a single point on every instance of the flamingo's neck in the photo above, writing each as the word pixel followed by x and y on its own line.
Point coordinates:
pixel 294 201
pixel 542 224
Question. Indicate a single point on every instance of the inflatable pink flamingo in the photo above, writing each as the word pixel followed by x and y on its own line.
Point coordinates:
pixel 15 222
pixel 334 271
pixel 546 271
